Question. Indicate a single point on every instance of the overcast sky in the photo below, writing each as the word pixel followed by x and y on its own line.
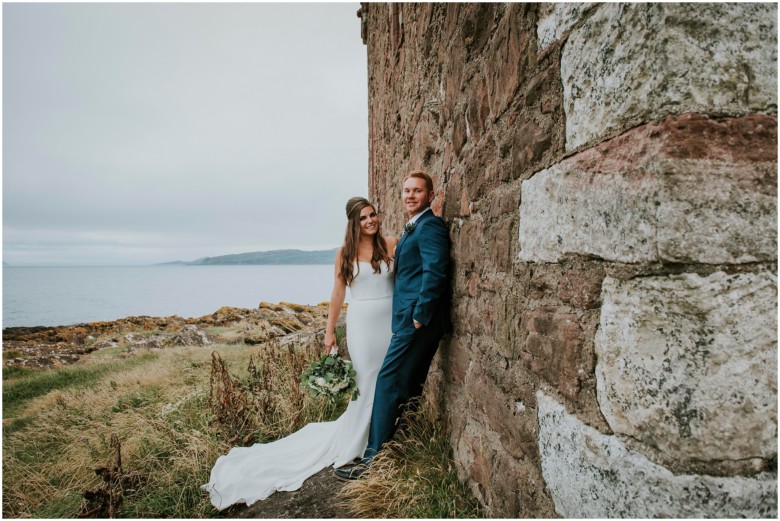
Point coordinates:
pixel 145 133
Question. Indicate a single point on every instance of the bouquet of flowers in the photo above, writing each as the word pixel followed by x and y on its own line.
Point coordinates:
pixel 330 376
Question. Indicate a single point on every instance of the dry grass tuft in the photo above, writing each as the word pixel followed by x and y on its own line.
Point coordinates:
pixel 267 403
pixel 105 501
pixel 412 477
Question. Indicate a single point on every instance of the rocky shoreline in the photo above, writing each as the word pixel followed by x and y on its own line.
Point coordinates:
pixel 55 346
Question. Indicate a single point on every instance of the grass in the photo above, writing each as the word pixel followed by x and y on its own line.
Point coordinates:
pixel 58 425
pixel 340 333
pixel 69 415
pixel 31 384
pixel 266 401
pixel 164 411
pixel 11 354
pixel 220 330
pixel 412 477
pixel 16 371
pixel 110 353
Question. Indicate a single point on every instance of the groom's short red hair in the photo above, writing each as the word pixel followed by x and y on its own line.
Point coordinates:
pixel 421 175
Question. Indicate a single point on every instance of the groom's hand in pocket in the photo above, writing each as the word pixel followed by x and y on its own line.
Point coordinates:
pixel 417 325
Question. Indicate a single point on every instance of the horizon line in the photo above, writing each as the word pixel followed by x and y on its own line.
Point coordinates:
pixel 163 264
pixel 6 264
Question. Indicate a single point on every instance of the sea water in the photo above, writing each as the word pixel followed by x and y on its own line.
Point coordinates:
pixel 49 296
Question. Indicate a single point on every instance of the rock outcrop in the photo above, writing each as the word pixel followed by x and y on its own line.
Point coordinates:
pixel 62 345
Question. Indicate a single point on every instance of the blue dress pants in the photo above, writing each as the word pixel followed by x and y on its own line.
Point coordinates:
pixel 400 379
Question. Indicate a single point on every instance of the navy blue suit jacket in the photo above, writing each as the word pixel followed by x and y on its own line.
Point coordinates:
pixel 422 282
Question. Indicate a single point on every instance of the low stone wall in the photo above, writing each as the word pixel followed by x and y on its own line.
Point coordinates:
pixel 609 176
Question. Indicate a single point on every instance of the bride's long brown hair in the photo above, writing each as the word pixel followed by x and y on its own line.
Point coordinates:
pixel 349 250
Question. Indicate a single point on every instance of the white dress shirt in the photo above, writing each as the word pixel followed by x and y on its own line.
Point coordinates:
pixel 417 215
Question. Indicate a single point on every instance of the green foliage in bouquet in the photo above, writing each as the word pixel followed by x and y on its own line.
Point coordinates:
pixel 330 376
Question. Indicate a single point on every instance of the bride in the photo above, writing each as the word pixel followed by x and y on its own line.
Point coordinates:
pixel 364 263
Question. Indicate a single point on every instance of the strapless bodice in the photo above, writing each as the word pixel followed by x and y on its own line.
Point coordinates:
pixel 368 285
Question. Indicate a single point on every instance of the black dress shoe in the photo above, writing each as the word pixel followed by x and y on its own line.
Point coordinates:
pixel 350 473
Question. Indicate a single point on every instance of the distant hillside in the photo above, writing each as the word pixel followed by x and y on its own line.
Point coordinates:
pixel 267 257
pixel 5 264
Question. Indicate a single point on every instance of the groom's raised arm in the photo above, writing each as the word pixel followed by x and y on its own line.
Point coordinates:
pixel 434 243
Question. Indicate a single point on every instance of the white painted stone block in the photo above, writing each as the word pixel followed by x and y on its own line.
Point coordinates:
pixel 688 364
pixel 555 18
pixel 712 213
pixel 565 211
pixel 589 474
pixel 631 63
pixel 681 211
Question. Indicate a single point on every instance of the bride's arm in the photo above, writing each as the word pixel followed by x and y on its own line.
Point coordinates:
pixel 336 302
pixel 391 243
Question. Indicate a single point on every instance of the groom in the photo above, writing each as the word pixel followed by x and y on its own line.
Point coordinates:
pixel 421 301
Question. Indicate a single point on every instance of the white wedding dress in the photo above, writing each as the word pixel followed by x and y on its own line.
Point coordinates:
pixel 249 474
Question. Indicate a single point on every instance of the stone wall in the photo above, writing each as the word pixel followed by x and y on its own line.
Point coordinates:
pixel 609 176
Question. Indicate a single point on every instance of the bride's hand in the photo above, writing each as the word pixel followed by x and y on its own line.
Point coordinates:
pixel 330 341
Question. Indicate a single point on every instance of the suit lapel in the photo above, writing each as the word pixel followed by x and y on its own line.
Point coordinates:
pixel 401 241
pixel 403 238
pixel 398 253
